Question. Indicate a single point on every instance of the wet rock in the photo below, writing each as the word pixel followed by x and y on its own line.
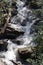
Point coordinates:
pixel 3 46
pixel 14 33
pixel 11 34
pixel 32 31
pixel 14 12
pixel 24 53
pixel 18 42
pixel 23 23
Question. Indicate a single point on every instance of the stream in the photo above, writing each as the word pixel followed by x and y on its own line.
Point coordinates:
pixel 22 22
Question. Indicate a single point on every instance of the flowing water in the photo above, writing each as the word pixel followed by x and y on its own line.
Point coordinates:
pixel 25 17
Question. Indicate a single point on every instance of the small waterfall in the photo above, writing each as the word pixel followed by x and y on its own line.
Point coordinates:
pixel 27 37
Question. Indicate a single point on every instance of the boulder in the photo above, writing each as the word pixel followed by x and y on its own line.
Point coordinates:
pixel 24 53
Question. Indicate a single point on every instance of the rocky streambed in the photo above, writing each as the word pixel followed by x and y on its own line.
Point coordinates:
pixel 16 44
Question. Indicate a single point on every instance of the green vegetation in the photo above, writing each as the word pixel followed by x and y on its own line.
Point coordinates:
pixel 38 53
